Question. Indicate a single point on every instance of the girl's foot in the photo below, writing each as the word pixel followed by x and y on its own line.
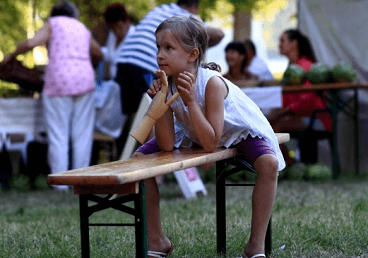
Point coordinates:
pixel 161 253
pixel 254 256
pixel 251 251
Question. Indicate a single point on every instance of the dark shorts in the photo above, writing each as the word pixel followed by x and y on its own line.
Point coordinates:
pixel 252 148
pixel 134 82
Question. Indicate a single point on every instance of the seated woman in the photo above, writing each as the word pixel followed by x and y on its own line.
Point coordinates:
pixel 236 59
pixel 297 106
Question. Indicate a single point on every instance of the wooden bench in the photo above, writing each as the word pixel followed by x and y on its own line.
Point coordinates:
pixel 126 178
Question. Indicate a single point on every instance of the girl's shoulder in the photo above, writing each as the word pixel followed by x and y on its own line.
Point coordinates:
pixel 206 73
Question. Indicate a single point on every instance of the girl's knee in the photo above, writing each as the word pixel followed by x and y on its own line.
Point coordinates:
pixel 267 165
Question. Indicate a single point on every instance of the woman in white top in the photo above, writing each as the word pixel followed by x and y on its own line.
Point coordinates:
pixel 118 21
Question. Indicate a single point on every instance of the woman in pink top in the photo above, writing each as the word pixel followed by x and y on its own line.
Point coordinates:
pixel 68 94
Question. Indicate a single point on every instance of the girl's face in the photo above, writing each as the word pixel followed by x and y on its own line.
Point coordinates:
pixel 286 45
pixel 234 58
pixel 172 58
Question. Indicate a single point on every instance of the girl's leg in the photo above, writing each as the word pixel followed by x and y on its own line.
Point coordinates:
pixel 264 194
pixel 157 241
pixel 258 153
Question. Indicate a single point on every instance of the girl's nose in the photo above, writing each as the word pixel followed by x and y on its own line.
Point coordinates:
pixel 159 55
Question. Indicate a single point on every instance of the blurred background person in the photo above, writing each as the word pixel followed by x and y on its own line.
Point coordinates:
pixel 256 68
pixel 236 59
pixel 297 107
pixel 68 93
pixel 120 27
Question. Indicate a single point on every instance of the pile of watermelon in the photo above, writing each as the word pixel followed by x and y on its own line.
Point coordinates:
pixel 294 74
pixel 343 72
pixel 320 73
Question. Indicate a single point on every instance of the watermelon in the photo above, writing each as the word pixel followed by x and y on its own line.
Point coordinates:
pixel 297 171
pixel 319 172
pixel 319 73
pixel 343 72
pixel 294 74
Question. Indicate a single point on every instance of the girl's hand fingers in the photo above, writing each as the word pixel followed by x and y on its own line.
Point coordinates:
pixel 186 87
pixel 186 80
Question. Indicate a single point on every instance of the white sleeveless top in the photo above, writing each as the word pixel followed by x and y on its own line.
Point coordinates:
pixel 241 118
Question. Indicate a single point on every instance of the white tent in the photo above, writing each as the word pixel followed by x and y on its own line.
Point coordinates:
pixel 338 30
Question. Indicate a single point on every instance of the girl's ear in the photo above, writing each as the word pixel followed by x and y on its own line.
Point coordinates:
pixel 193 55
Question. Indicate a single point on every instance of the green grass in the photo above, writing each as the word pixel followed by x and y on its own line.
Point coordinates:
pixel 311 219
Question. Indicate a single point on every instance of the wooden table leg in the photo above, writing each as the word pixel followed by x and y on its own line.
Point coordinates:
pixel 356 128
pixel 335 153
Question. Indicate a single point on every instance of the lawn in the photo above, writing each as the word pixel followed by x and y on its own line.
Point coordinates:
pixel 310 219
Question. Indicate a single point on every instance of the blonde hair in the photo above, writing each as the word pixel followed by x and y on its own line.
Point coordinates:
pixel 190 33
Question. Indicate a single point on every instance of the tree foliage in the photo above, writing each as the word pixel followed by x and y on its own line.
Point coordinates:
pixel 20 18
pixel 13 27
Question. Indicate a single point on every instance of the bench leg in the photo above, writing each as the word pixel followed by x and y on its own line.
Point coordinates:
pixel 220 208
pixel 84 225
pixel 141 222
pixel 268 240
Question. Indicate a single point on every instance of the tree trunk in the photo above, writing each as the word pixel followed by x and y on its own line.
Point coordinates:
pixel 242 24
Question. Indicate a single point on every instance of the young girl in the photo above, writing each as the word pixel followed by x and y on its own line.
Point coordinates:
pixel 211 112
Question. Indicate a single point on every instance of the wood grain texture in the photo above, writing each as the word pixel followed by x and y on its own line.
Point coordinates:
pixel 139 168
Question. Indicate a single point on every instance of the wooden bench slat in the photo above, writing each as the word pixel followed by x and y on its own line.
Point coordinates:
pixel 129 188
pixel 147 166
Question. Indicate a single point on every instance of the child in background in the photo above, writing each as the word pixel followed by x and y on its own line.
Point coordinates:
pixel 211 112
pixel 236 59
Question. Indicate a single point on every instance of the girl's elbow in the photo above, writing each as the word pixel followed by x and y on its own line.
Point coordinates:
pixel 210 147
pixel 167 149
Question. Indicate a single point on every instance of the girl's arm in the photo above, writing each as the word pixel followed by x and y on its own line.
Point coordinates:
pixel 164 127
pixel 208 126
pixel 41 38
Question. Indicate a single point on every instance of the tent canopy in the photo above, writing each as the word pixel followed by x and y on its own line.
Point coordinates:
pixel 338 31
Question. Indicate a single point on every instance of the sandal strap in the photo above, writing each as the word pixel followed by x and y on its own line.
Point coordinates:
pixel 258 255
pixel 156 254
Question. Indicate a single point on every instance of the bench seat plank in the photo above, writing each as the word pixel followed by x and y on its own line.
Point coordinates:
pixel 139 168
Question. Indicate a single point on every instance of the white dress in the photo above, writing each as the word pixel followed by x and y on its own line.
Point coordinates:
pixel 241 117
pixel 258 67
